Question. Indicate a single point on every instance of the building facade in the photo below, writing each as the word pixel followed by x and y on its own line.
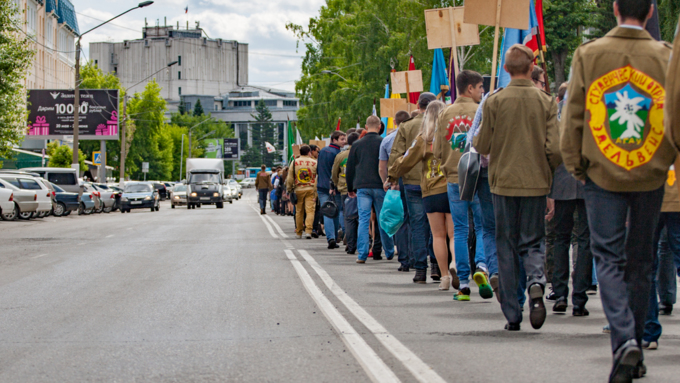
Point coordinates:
pixel 204 66
pixel 53 27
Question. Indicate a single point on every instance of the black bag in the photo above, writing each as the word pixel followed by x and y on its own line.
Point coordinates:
pixel 469 169
pixel 293 198
pixel 329 209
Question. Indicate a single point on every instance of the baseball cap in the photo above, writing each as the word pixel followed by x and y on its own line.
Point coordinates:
pixel 425 99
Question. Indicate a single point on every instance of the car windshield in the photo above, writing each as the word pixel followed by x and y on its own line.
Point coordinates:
pixel 204 178
pixel 138 188
pixel 102 187
pixel 57 189
pixel 180 188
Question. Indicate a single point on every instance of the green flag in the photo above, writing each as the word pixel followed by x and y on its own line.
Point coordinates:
pixel 291 141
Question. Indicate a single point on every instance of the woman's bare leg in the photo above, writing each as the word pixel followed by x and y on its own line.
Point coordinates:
pixel 439 227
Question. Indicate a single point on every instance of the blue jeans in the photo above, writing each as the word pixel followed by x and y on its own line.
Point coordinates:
pixel 332 225
pixel 459 213
pixel 368 198
pixel 488 222
pixel 263 197
pixel 420 226
pixel 402 239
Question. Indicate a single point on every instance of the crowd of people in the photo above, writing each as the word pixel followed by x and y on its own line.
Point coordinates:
pixel 584 179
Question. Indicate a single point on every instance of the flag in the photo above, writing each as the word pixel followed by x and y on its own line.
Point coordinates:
pixel 358 122
pixel 291 141
pixel 338 127
pixel 186 10
pixel 375 112
pixel 390 121
pixel 270 147
pixel 516 36
pixel 439 75
pixel 413 96
pixel 385 120
pixel 298 138
pixel 541 29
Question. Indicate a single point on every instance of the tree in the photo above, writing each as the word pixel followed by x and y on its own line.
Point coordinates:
pixel 563 19
pixel 263 131
pixel 16 55
pixel 198 108
pixel 182 109
pixel 61 156
pixel 668 18
pixel 602 20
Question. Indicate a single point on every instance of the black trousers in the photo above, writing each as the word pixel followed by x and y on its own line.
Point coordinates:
pixel 624 256
pixel 351 227
pixel 520 229
pixel 583 271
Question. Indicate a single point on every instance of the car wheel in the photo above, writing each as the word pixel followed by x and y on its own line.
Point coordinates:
pixel 172 206
pixel 11 216
pixel 231 201
pixel 67 213
pixel 100 210
pixel 158 207
pixel 107 210
pixel 198 205
pixel 25 215
pixel 219 205
pixel 89 211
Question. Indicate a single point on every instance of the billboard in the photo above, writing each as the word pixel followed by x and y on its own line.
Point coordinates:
pixel 231 149
pixel 51 114
pixel 213 147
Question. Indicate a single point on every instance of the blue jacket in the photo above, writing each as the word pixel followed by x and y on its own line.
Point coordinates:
pixel 324 166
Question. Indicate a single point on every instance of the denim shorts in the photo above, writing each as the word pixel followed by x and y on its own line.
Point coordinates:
pixel 438 203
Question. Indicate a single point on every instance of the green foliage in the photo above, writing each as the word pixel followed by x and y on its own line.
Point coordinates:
pixel 182 108
pixel 668 18
pixel 602 19
pixel 361 40
pixel 198 109
pixel 61 156
pixel 16 56
pixel 263 130
pixel 201 126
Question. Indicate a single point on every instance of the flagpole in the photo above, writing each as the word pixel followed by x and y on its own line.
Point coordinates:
pixel 495 47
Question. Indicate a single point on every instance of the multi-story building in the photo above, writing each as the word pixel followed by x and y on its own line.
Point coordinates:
pixel 204 66
pixel 53 27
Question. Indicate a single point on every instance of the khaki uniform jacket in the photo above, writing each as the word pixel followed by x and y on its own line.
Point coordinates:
pixel 301 175
pixel 612 126
pixel 339 171
pixel 519 132
pixel 433 181
pixel 263 181
pixel 408 130
pixel 454 122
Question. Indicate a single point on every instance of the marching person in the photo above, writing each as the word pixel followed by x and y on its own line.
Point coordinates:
pixel 264 185
pixel 325 162
pixel 339 178
pixel 519 133
pixel 302 181
pixel 613 140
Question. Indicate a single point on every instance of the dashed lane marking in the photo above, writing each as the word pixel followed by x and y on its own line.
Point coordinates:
pixel 278 228
pixel 39 256
pixel 269 227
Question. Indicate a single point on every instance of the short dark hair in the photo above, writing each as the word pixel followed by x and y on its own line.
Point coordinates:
pixel 634 9
pixel 337 134
pixel 314 148
pixel 352 138
pixel 401 116
pixel 536 73
pixel 360 130
pixel 304 150
pixel 263 167
pixel 466 78
pixel 562 91
pixel 351 130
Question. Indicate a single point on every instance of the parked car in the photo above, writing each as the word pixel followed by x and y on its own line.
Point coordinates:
pixel 52 193
pixel 239 188
pixel 28 182
pixel 7 205
pixel 96 196
pixel 65 178
pixel 107 196
pixel 87 204
pixel 25 200
pixel 140 195
pixel 162 190
pixel 248 183
pixel 178 196
pixel 230 193
pixel 66 202
pixel 116 193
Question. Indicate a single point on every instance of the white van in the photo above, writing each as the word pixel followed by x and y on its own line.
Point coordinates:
pixel 65 178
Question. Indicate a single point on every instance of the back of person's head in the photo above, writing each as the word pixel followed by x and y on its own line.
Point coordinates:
pixel 352 138
pixel 263 167
pixel 360 131
pixel 336 135
pixel 634 9
pixel 425 99
pixel 350 131
pixel 562 91
pixel 314 148
pixel 465 79
pixel 415 113
pixel 518 60
pixel 373 123
pixel 304 150
pixel 537 73
pixel 401 116
pixel 430 119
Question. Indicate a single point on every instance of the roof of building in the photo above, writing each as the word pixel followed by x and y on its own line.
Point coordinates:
pixel 250 92
pixel 66 14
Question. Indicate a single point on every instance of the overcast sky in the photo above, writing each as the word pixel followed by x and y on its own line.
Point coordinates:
pixel 260 23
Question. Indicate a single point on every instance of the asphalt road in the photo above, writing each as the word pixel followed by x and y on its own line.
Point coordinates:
pixel 211 295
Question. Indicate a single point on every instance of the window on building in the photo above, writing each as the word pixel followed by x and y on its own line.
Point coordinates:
pixel 49 32
pixel 115 70
pixel 241 103
pixel 269 103
pixel 282 129
pixel 179 75
pixel 290 103
pixel 179 60
pixel 31 17
pixel 179 91
pixel 243 136
pixel 96 62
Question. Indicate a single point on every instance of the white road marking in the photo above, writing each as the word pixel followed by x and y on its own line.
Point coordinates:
pixel 278 228
pixel 375 367
pixel 269 227
pixel 39 256
pixel 421 371
pixel 109 236
pixel 287 244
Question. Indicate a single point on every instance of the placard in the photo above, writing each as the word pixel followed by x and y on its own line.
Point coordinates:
pixel 415 81
pixel 231 149
pixel 296 151
pixel 438 25
pixel 389 107
pixel 514 13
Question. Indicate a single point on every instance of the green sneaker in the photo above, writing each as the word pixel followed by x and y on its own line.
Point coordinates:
pixel 482 281
pixel 462 294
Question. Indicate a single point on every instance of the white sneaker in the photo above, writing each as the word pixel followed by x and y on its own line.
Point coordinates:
pixel 298 236
pixel 445 283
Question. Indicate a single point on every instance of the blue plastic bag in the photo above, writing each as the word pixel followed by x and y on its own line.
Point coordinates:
pixel 392 213
pixel 272 195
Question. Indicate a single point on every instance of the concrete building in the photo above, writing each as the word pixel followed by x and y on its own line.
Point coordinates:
pixel 53 27
pixel 205 66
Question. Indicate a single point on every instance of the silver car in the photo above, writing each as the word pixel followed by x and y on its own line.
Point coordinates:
pixel 26 201
pixel 178 196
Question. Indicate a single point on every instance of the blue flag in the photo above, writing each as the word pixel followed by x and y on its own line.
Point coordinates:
pixel 439 74
pixel 517 36
pixel 384 119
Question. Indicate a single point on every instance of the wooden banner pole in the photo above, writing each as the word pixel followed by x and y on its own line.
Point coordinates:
pixel 408 89
pixel 453 43
pixel 495 47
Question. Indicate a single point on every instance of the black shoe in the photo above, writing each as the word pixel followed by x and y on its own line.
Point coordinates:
pixel 537 308
pixel 421 276
pixel 580 311
pixel 626 358
pixel 332 245
pixel 639 371
pixel 377 256
pixel 512 326
pixel 403 268
pixel 592 290
pixel 261 211
pixel 435 273
pixel 552 297
pixel 665 309
pixel 353 252
pixel 315 234
pixel 560 305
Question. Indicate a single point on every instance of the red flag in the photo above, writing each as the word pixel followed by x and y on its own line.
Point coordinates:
pixel 338 128
pixel 413 96
pixel 541 29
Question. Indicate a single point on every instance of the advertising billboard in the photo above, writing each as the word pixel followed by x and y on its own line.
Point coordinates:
pixel 231 149
pixel 213 147
pixel 51 114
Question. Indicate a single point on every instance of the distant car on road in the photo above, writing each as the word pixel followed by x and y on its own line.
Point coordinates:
pixel 248 183
pixel 162 190
pixel 65 178
pixel 66 202
pixel 179 196
pixel 234 184
pixel 139 195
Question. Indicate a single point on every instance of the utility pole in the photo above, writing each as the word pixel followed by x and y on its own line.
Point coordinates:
pixel 123 144
pixel 181 159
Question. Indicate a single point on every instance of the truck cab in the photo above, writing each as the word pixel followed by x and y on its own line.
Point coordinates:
pixel 205 178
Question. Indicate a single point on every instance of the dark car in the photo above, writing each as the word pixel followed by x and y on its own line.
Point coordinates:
pixel 162 190
pixel 65 202
pixel 139 195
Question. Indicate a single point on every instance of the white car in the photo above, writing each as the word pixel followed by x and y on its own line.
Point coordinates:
pixel 239 188
pixel 248 183
pixel 30 183
pixel 7 206
pixel 26 201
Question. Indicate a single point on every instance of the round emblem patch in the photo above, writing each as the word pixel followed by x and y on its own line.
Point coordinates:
pixel 457 132
pixel 626 116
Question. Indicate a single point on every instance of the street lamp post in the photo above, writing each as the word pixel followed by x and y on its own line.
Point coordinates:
pixel 76 98
pixel 330 72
